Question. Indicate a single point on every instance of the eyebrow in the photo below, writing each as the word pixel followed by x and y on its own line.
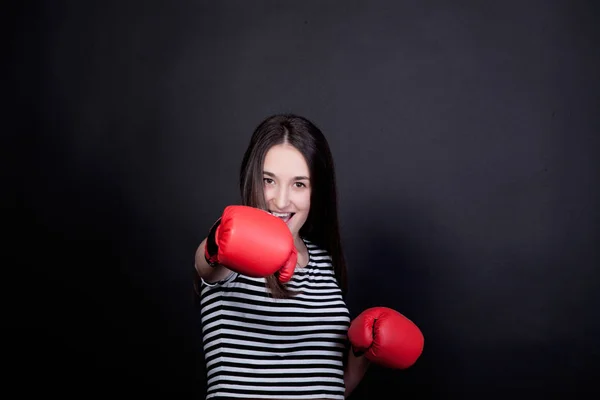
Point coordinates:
pixel 296 178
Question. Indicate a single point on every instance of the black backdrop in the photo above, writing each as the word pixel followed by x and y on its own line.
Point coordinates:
pixel 465 136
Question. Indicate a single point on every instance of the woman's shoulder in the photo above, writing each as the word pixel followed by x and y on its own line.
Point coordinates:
pixel 312 245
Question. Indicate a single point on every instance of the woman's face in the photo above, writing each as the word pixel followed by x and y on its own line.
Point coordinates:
pixel 286 182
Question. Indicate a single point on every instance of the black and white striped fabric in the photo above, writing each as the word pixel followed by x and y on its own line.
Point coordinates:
pixel 257 347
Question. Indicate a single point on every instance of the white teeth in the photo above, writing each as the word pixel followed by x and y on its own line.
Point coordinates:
pixel 281 215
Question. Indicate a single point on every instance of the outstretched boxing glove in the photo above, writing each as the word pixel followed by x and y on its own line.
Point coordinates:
pixel 252 242
pixel 386 337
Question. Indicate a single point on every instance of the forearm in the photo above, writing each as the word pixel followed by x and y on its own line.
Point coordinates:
pixel 356 367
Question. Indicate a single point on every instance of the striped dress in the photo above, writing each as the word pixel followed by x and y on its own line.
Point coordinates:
pixel 257 347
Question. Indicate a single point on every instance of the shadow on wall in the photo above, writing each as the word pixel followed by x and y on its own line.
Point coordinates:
pixel 398 259
pixel 477 343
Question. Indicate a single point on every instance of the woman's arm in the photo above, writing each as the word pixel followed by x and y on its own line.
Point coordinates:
pixel 356 367
pixel 205 271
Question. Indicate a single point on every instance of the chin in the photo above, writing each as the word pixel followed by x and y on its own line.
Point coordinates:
pixel 295 232
pixel 294 223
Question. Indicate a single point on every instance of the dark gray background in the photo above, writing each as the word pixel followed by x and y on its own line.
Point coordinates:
pixel 465 137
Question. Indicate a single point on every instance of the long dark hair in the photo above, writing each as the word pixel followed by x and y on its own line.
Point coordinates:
pixel 322 224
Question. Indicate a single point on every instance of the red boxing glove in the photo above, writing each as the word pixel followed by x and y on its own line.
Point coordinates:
pixel 252 242
pixel 386 337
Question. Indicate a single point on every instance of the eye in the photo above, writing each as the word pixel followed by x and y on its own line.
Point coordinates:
pixel 268 181
pixel 299 184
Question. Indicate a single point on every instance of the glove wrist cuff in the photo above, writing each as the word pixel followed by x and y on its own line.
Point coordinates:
pixel 357 352
pixel 211 249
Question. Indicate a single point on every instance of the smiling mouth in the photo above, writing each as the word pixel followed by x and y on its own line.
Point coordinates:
pixel 284 216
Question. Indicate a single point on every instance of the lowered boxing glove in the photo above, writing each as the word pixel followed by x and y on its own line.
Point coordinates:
pixel 252 242
pixel 386 337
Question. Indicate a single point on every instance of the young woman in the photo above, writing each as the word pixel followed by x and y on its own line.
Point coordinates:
pixel 271 277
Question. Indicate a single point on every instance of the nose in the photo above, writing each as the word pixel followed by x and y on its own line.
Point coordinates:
pixel 282 198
